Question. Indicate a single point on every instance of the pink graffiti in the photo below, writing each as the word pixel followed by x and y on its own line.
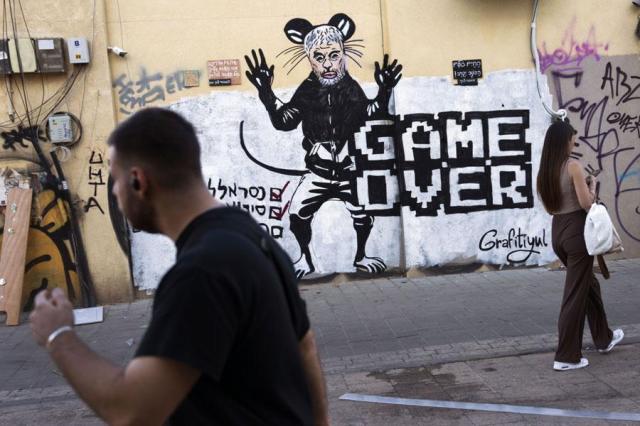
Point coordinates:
pixel 571 51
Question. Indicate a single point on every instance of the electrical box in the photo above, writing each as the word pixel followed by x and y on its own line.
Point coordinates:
pixel 60 128
pixel 50 54
pixel 5 65
pixel 78 49
pixel 26 60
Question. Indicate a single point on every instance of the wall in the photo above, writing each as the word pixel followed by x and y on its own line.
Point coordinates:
pixel 447 174
pixel 52 260
pixel 602 97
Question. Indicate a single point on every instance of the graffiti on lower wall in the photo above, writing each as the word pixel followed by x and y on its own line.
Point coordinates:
pixel 255 200
pixel 482 156
pixel 602 99
pixel 442 186
pixel 449 163
pixel 522 245
pixel 50 261
pixel 96 180
pixel 405 172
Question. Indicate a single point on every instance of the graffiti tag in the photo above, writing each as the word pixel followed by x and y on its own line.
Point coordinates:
pixel 96 180
pixel 20 136
pixel 254 199
pixel 522 245
pixel 572 52
pixel 147 89
pixel 601 136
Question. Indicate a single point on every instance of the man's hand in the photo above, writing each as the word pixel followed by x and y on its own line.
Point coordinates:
pixel 147 391
pixel 259 74
pixel 52 311
pixel 389 75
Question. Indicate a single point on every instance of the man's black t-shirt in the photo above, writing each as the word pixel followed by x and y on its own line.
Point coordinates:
pixel 224 310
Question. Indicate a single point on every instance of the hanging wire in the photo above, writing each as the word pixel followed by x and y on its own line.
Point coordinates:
pixel 23 95
pixel 93 36
pixel 560 114
pixel 32 115
pixel 26 26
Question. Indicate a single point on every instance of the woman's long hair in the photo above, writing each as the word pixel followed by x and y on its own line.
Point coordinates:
pixel 554 154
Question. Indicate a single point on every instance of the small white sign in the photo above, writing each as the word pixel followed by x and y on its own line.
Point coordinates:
pixel 45 44
pixel 88 315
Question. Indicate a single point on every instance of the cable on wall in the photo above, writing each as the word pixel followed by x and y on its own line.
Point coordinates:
pixel 560 114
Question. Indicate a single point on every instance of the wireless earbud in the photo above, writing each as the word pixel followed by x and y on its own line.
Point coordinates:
pixel 135 184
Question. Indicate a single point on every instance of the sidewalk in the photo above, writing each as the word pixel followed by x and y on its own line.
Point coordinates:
pixel 391 336
pixel 609 384
pixel 393 321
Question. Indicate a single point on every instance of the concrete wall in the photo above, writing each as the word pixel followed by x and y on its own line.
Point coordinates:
pixel 475 203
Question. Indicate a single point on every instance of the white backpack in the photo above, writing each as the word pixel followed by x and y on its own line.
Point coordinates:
pixel 600 235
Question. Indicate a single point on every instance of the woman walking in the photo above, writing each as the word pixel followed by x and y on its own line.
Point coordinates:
pixel 567 194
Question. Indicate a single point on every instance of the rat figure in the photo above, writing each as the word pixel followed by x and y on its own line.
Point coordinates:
pixel 332 107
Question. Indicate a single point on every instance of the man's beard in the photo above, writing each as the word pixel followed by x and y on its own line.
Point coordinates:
pixel 143 219
pixel 326 82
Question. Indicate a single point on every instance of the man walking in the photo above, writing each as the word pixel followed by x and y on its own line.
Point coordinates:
pixel 229 339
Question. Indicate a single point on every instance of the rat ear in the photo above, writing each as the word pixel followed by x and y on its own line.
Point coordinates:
pixel 296 30
pixel 344 24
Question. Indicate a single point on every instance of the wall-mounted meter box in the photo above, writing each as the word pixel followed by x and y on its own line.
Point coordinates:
pixel 26 60
pixel 60 128
pixel 78 49
pixel 50 54
pixel 5 65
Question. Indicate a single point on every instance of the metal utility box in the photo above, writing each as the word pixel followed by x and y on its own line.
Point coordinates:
pixel 78 49
pixel 60 128
pixel 5 64
pixel 26 60
pixel 50 54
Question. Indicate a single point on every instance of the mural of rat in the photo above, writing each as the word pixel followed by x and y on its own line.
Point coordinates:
pixel 331 106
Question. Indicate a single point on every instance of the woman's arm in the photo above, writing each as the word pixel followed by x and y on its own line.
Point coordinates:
pixel 586 194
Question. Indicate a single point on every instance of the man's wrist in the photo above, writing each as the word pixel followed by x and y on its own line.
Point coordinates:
pixel 55 334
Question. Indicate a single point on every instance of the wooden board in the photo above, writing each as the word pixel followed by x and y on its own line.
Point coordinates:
pixel 14 252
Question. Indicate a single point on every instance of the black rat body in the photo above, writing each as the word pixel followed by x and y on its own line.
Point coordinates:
pixel 331 106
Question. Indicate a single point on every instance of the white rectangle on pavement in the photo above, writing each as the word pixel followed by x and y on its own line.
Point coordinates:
pixel 88 315
pixel 496 408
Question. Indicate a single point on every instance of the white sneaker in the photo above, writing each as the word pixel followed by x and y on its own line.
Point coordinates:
pixel 562 366
pixel 618 334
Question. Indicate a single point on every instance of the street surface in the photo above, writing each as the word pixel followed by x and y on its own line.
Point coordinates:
pixel 478 337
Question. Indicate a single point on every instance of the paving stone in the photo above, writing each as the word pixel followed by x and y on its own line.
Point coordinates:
pixel 461 321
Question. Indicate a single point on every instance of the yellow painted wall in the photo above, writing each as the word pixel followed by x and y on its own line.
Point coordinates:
pixel 165 36
pixel 91 100
pixel 428 35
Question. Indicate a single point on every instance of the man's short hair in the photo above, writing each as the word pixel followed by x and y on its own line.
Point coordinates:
pixel 162 142
pixel 322 35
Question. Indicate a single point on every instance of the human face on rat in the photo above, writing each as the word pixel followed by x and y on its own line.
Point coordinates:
pixel 328 62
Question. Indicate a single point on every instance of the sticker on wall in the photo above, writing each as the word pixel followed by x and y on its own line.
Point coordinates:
pixel 224 72
pixel 467 71
pixel 191 78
